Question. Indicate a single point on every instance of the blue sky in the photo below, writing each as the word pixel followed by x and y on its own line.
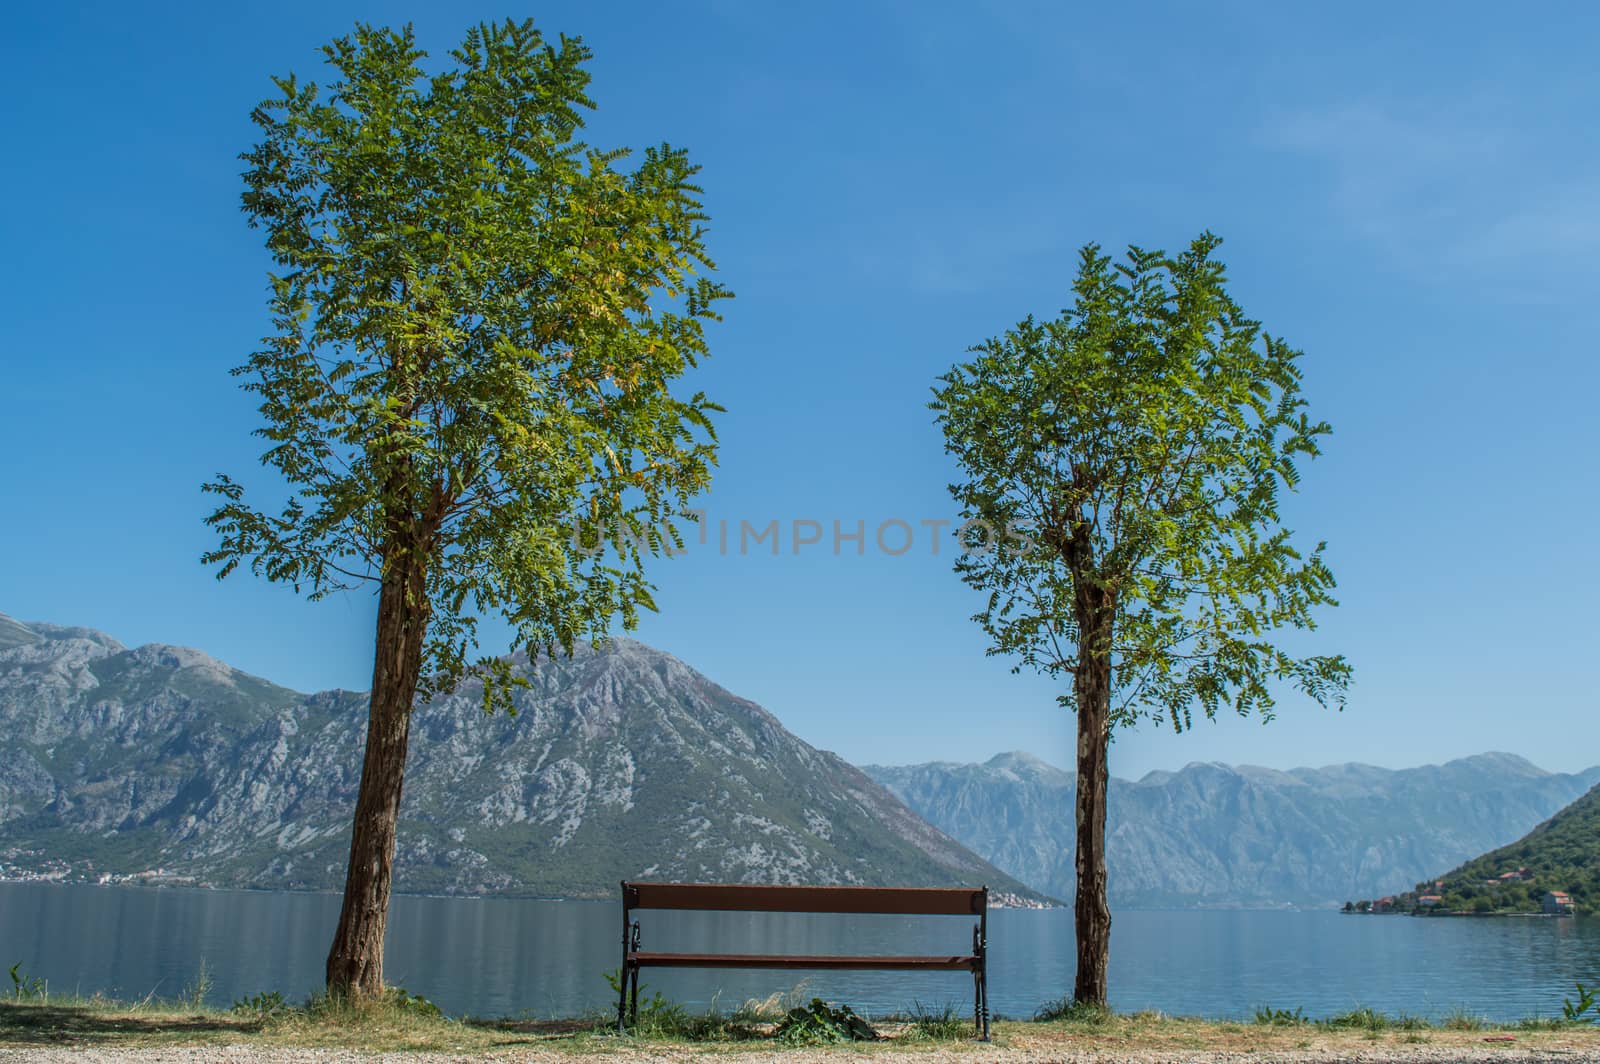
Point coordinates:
pixel 1409 193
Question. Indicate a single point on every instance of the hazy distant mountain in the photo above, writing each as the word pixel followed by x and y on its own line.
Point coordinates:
pixel 622 762
pixel 1217 835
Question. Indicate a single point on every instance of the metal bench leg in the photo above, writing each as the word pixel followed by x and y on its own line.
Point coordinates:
pixel 634 1010
pixel 629 935
pixel 980 972
pixel 980 1005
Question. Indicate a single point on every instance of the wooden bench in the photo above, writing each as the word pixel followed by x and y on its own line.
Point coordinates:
pixel 721 897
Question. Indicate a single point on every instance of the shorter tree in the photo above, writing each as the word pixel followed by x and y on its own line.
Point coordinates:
pixel 1142 438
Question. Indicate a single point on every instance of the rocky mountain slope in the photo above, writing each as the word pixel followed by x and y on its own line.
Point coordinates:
pixel 621 762
pixel 1215 835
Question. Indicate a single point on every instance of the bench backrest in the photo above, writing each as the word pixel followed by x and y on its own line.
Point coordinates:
pixel 738 897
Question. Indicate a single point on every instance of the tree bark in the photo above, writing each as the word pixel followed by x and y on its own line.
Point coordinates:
pixel 1092 914
pixel 355 961
pixel 1094 608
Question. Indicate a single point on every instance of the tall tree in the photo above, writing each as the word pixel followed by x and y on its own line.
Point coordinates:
pixel 477 324
pixel 1141 439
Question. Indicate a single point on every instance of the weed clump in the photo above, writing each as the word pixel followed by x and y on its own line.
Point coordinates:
pixel 1065 1010
pixel 822 1024
pixel 937 1025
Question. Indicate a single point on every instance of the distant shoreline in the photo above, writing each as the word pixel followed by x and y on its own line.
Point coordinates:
pixel 1002 901
pixel 1453 913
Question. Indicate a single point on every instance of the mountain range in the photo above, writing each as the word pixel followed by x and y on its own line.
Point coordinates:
pixel 621 762
pixel 1215 835
pixel 624 762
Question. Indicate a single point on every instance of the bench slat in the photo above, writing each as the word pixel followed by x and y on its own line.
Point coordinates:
pixel 739 897
pixel 873 962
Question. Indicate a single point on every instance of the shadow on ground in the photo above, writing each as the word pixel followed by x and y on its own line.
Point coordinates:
pixel 75 1024
pixel 539 1027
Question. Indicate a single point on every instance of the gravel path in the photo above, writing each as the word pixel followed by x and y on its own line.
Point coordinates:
pixel 1555 1050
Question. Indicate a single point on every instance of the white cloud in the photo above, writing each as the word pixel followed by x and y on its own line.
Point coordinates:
pixel 1459 187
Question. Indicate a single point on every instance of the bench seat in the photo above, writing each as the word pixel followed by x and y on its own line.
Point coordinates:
pixel 869 962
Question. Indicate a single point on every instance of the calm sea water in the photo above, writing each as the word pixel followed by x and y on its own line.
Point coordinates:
pixel 505 957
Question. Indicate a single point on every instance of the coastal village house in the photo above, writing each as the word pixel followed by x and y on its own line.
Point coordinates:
pixel 1557 902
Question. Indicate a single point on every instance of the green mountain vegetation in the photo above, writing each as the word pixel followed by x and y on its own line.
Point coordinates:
pixel 1562 854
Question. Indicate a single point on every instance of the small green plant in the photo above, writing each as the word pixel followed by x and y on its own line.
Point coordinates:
pixel 1065 1010
pixel 1462 1020
pixel 613 979
pixel 938 1025
pixel 266 1006
pixel 656 1016
pixel 402 1000
pixel 25 987
pixel 822 1024
pixel 1362 1019
pixel 1281 1017
pixel 1541 1023
pixel 1584 1010
pixel 195 996
pixel 340 1008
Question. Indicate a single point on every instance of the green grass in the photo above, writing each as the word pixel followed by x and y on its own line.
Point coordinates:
pixel 1462 1020
pixel 1065 1010
pixel 32 1016
pixel 938 1025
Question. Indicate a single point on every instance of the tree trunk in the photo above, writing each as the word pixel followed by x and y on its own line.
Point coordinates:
pixel 1092 916
pixel 355 961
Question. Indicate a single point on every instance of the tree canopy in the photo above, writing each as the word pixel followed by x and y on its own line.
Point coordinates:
pixel 477 319
pixel 1144 437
